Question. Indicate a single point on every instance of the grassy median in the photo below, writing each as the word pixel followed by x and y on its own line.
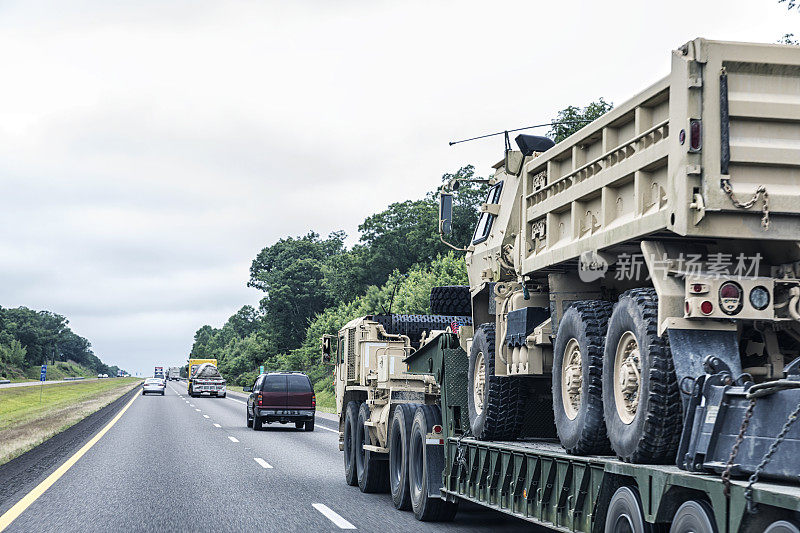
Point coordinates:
pixel 25 421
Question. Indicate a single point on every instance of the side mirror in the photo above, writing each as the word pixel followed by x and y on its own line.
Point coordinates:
pixel 445 213
pixel 247 389
pixel 327 348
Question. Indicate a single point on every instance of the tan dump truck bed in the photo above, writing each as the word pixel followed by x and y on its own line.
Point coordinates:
pixel 633 172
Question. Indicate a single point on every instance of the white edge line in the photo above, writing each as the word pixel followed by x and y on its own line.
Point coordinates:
pixel 262 462
pixel 331 515
pixel 238 401
pixel 233 439
pixel 328 429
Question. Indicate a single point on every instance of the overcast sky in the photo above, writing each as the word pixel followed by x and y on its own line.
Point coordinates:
pixel 149 150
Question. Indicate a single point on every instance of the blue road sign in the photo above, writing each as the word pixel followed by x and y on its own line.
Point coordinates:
pixel 43 377
pixel 261 369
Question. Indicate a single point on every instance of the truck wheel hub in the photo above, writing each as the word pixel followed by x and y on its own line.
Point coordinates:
pixel 571 379
pixel 627 377
pixel 479 384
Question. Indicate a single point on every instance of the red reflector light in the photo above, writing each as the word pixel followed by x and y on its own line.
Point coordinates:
pixel 706 307
pixel 688 307
pixel 259 399
pixel 437 428
pixel 697 288
pixel 729 290
pixel 695 135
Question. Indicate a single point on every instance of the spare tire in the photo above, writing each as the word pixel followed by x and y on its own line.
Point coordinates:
pixel 414 326
pixel 453 300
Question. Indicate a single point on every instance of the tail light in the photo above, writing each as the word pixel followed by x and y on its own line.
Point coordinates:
pixel 437 428
pixel 698 288
pixel 706 307
pixel 259 400
pixel 314 401
pixel 695 135
pixel 730 298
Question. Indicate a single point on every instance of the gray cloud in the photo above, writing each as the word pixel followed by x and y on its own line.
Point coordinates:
pixel 148 150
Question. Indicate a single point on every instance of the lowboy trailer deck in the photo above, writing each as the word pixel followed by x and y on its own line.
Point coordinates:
pixel 536 480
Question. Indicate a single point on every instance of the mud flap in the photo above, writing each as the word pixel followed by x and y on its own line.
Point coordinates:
pixel 434 465
pixel 689 349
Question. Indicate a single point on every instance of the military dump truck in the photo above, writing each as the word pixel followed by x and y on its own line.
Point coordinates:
pixel 647 268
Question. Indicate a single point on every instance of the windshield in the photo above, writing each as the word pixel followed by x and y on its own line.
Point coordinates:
pixel 485 222
pixel 152 380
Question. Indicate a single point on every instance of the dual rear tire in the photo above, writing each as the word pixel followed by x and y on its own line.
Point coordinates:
pixel 614 383
pixel 413 466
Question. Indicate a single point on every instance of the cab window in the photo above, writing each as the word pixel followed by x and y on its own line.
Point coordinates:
pixel 298 383
pixel 484 226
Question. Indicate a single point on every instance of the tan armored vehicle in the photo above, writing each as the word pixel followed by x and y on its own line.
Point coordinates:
pixel 382 406
pixel 617 261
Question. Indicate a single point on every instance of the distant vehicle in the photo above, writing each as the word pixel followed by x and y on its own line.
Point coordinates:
pixel 206 379
pixel 174 373
pixel 283 397
pixel 159 372
pixel 154 385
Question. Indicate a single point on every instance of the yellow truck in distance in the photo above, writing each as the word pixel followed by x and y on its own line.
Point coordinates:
pixel 204 377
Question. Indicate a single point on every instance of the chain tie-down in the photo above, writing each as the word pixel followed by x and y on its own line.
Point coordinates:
pixel 761 191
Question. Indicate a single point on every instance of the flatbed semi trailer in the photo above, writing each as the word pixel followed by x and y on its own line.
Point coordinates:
pixel 538 481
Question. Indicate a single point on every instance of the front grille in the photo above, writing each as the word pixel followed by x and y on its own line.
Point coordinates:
pixel 351 354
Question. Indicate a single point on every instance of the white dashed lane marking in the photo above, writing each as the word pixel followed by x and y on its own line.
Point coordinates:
pixel 217 426
pixel 206 416
pixel 331 515
pixel 233 439
pixel 198 410
pixel 262 462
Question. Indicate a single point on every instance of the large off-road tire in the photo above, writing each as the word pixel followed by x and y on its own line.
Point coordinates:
pixel 422 460
pixel 641 400
pixel 578 378
pixel 453 300
pixel 625 513
pixel 372 468
pixel 399 441
pixel 496 404
pixel 414 326
pixel 349 433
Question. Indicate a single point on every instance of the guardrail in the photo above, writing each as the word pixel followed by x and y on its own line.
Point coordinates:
pixel 74 379
pixel 4 381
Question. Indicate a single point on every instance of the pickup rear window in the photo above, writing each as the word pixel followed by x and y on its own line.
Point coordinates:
pixel 298 383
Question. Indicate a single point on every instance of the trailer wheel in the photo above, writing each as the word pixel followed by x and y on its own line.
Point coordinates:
pixel 625 513
pixel 452 300
pixel 694 517
pixel 424 462
pixel 782 526
pixel 496 403
pixel 399 439
pixel 578 378
pixel 641 400
pixel 350 421
pixel 372 467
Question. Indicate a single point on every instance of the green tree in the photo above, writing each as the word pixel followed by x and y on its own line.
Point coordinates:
pixel 575 118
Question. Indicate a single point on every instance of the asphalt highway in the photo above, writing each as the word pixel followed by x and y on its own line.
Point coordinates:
pixel 175 463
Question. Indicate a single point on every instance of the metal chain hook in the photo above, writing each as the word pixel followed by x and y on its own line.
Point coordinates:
pixel 726 474
pixel 761 191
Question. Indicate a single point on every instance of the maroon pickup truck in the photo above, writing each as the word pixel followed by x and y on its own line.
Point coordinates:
pixel 283 397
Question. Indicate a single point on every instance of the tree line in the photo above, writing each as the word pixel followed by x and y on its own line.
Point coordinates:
pixel 314 285
pixel 32 338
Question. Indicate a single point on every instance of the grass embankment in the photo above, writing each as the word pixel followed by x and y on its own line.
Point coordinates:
pixel 55 372
pixel 26 422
